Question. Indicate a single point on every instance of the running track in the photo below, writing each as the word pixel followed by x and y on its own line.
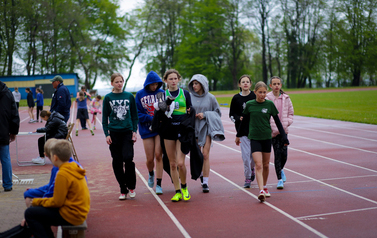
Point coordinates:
pixel 331 188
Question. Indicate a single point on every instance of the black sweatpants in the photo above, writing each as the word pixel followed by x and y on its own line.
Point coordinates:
pixel 41 146
pixel 122 151
pixel 281 154
pixel 40 219
pixel 39 109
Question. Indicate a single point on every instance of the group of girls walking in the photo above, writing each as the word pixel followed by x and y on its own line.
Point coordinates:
pixel 256 123
pixel 122 113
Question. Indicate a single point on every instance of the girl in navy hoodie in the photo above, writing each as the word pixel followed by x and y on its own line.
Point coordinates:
pixel 145 98
pixel 39 102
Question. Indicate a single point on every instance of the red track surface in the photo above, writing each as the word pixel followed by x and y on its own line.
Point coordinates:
pixel 331 188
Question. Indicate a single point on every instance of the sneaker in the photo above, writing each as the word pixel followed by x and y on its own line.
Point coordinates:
pixel 41 121
pixel 122 196
pixel 186 194
pixel 38 160
pixel 132 193
pixel 247 183
pixel 94 127
pixel 252 175
pixel 151 181
pixel 91 131
pixel 205 188
pixel 31 121
pixel 201 181
pixel 262 196
pixel 7 189
pixel 267 193
pixel 283 176
pixel 84 128
pixel 158 190
pixel 177 197
pixel 77 132
pixel 280 184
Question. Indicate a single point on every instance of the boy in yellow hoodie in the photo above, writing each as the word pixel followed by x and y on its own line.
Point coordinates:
pixel 71 201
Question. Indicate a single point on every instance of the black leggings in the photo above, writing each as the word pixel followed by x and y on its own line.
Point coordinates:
pixel 122 151
pixel 39 109
pixel 40 219
pixel 41 146
pixel 281 154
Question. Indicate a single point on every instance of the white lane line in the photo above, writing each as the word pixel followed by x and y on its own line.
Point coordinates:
pixel 335 213
pixel 330 143
pixel 337 134
pixel 332 179
pixel 338 161
pixel 162 204
pixel 272 206
pixel 25 119
pixel 341 127
pixel 323 157
pixel 319 181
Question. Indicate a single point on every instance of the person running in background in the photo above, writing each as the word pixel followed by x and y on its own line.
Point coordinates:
pixel 95 107
pixel 181 105
pixel 119 122
pixel 285 107
pixel 259 112
pixel 82 112
pixel 17 96
pixel 208 115
pixel 70 203
pixel 145 98
pixel 30 104
pixel 9 126
pixel 237 106
pixel 39 102
pixel 55 128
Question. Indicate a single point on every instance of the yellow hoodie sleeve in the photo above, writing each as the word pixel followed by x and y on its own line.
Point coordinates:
pixel 60 193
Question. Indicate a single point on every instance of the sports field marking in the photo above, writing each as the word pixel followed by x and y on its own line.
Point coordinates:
pixel 327 158
pixel 332 179
pixel 341 127
pixel 270 205
pixel 333 133
pixel 162 204
pixel 335 213
pixel 330 143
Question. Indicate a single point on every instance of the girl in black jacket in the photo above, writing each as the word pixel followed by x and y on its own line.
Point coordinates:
pixel 55 128
pixel 30 104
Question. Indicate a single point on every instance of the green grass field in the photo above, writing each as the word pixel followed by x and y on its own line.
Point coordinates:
pixel 355 106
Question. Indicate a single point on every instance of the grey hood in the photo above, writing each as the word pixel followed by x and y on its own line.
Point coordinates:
pixel 203 81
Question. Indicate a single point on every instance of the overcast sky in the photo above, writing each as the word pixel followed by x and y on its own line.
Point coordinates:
pixel 138 75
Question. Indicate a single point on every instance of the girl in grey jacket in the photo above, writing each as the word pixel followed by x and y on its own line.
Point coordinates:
pixel 208 125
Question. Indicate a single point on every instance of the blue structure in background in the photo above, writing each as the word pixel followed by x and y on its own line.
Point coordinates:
pixel 70 80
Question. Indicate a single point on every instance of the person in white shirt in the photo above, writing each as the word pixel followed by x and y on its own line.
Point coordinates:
pixel 17 96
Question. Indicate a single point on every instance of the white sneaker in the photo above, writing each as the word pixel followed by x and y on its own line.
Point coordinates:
pixel 38 160
pixel 132 193
pixel 122 196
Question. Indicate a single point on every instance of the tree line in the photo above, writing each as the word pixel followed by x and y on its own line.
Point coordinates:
pixel 308 43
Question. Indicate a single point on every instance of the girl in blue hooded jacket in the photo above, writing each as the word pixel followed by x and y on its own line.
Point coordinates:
pixel 145 98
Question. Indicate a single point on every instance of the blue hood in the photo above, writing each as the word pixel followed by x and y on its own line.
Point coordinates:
pixel 152 77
